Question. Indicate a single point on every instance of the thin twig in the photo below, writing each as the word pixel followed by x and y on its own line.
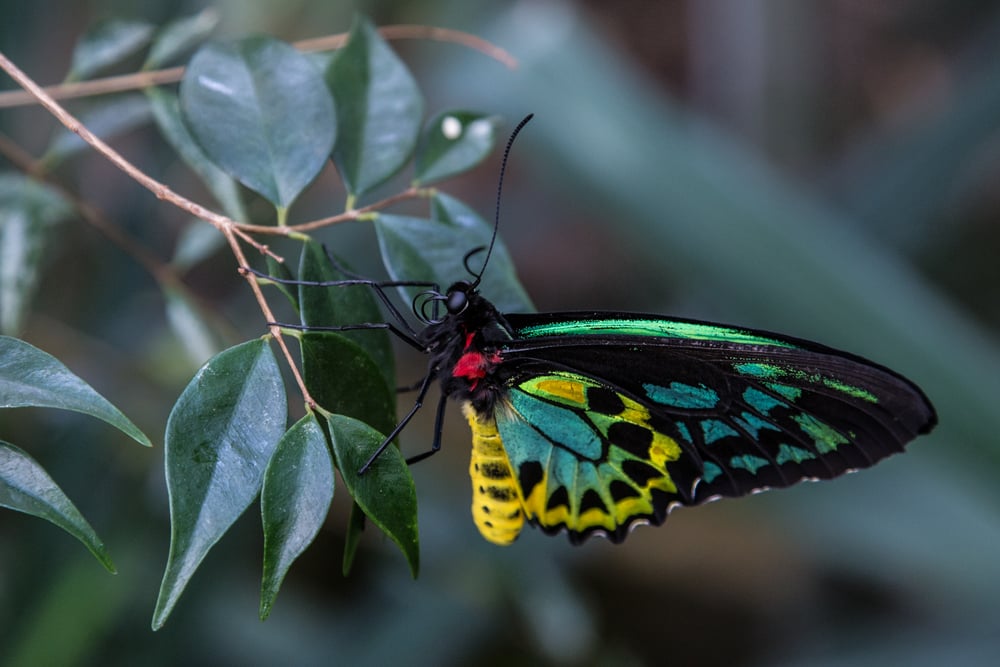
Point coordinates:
pixel 161 191
pixel 275 329
pixel 117 84
pixel 346 216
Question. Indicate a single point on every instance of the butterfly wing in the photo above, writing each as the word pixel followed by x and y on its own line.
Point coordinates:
pixel 608 420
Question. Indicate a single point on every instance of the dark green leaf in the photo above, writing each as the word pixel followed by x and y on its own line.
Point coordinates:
pixel 453 142
pixel 298 488
pixel 220 435
pixel 32 378
pixel 280 270
pixel 260 110
pixel 379 109
pixel 106 44
pixel 107 119
pixel 355 527
pixel 29 211
pixel 343 305
pixel 385 492
pixel 421 249
pixel 26 487
pixel 180 36
pixel 343 378
pixel 167 113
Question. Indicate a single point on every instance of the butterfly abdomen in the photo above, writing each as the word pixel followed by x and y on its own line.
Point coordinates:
pixel 496 501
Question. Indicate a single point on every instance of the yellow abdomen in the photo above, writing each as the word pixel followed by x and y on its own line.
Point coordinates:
pixel 496 500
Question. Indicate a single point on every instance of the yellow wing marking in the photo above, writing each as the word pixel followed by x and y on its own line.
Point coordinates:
pixel 569 390
pixel 496 499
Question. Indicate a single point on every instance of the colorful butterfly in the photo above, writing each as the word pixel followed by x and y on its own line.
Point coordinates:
pixel 594 422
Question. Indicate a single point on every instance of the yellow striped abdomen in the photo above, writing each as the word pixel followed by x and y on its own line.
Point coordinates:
pixel 496 499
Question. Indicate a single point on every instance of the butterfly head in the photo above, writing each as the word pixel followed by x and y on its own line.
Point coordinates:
pixel 456 299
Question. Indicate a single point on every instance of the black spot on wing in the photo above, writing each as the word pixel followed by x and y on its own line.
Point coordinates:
pixel 530 476
pixel 633 438
pixel 559 497
pixel 592 500
pixel 640 472
pixel 621 490
pixel 604 401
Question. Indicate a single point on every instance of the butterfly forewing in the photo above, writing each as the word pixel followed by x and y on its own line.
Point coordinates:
pixel 612 419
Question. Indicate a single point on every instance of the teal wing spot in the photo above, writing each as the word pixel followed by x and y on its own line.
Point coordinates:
pixel 681 395
pixel 559 425
pixel 685 433
pixel 759 401
pixel 711 472
pixel 753 424
pixel 789 454
pixel 714 430
pixel 784 390
pixel 758 370
pixel 748 462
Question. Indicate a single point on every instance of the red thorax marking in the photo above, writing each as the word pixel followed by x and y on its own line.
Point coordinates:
pixel 474 365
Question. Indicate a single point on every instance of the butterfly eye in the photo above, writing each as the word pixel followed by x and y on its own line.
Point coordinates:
pixel 458 300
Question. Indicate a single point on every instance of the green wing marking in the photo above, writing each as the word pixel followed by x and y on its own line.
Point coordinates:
pixel 651 327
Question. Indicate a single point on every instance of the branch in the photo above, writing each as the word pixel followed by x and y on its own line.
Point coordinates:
pixel 227 226
pixel 117 84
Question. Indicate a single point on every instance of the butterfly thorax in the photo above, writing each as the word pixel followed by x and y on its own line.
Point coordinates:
pixel 465 347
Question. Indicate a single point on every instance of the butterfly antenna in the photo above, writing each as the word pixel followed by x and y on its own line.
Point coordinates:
pixel 496 218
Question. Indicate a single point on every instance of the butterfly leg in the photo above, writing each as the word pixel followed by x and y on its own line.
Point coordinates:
pixel 438 425
pixel 407 337
pixel 417 404
pixel 377 287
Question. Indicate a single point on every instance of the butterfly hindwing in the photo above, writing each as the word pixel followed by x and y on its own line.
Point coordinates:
pixel 589 459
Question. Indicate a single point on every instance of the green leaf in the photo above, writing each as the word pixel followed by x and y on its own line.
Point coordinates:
pixel 500 282
pixel 167 114
pixel 220 435
pixel 421 249
pixel 32 378
pixel 260 110
pixel 343 305
pixel 355 526
pixel 180 36
pixel 343 378
pixel 107 43
pixel 29 212
pixel 385 492
pixel 107 119
pixel 26 487
pixel 196 243
pixel 379 110
pixel 280 270
pixel 455 141
pixel 298 488
pixel 200 340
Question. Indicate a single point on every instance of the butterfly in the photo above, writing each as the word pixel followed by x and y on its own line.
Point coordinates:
pixel 591 423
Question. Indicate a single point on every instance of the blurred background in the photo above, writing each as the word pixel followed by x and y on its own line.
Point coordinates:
pixel 829 170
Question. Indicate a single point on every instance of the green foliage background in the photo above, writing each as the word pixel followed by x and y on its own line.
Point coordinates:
pixel 820 169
